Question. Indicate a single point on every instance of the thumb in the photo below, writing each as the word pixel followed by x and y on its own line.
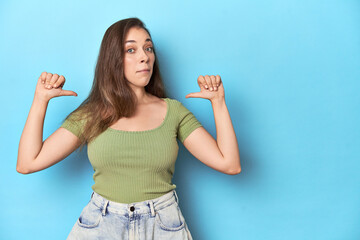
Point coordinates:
pixel 194 95
pixel 68 93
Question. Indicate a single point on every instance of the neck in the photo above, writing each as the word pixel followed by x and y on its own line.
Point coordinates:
pixel 142 96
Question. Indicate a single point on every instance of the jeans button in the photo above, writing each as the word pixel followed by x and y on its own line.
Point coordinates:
pixel 132 208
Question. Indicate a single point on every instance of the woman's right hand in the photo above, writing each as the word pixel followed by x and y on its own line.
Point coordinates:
pixel 50 85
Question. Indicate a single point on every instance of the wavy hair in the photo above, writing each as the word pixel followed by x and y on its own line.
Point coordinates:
pixel 111 97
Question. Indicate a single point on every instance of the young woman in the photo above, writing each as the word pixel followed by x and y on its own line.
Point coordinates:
pixel 130 128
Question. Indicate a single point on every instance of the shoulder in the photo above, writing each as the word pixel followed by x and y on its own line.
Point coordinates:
pixel 178 107
pixel 173 101
pixel 77 116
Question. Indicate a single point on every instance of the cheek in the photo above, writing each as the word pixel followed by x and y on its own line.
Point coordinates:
pixel 128 64
pixel 153 60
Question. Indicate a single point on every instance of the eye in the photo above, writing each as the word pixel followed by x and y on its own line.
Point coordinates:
pixel 150 49
pixel 129 50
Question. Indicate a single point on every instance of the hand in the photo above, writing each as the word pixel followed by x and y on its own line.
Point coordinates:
pixel 50 85
pixel 211 88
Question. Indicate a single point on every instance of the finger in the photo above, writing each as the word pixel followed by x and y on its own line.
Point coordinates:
pixel 208 82
pixel 60 82
pixel 213 83
pixel 218 80
pixel 202 82
pixel 194 95
pixel 43 77
pixel 54 78
pixel 47 81
pixel 68 93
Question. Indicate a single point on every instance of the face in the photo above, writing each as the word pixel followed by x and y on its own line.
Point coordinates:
pixel 139 57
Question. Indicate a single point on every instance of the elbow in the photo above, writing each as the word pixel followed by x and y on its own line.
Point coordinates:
pixel 24 165
pixel 234 168
pixel 234 171
pixel 22 170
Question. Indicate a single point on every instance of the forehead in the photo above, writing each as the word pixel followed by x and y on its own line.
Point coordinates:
pixel 136 34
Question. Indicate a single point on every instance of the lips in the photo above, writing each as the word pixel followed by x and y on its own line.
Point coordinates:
pixel 144 70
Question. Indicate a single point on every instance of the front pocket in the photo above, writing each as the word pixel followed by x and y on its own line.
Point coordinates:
pixel 170 218
pixel 90 216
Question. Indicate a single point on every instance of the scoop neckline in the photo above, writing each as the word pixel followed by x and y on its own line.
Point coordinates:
pixel 149 130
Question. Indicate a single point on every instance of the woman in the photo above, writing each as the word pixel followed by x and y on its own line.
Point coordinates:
pixel 130 128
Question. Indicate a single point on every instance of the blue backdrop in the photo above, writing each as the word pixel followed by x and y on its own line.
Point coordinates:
pixel 291 72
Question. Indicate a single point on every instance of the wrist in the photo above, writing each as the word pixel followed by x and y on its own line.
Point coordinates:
pixel 217 101
pixel 40 100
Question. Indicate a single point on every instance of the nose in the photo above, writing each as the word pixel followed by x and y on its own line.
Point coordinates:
pixel 144 56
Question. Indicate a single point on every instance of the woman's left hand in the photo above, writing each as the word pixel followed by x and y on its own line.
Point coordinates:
pixel 211 88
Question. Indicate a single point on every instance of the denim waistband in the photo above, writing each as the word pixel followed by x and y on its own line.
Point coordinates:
pixel 144 207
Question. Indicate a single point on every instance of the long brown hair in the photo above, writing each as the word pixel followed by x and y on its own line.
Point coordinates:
pixel 110 97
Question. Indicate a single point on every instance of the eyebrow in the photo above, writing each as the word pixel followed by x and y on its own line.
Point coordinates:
pixel 147 40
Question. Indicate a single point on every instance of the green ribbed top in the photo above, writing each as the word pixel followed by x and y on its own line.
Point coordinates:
pixel 134 166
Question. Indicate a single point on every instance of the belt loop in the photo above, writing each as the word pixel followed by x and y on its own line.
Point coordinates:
pixel 152 208
pixel 105 206
pixel 176 196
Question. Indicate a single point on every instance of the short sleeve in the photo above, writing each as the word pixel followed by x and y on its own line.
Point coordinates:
pixel 74 124
pixel 187 122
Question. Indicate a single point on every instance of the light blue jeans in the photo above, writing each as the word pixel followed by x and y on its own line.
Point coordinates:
pixel 158 218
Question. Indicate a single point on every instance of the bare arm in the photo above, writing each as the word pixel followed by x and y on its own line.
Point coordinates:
pixel 222 154
pixel 34 154
pixel 226 138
